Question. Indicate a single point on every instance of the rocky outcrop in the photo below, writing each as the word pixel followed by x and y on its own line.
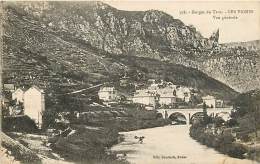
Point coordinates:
pixel 115 31
pixel 241 73
pixel 151 34
pixel 38 52
pixel 250 45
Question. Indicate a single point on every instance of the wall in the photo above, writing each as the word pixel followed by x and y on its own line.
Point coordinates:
pixel 34 105
pixel 18 95
pixel 147 100
pixel 167 100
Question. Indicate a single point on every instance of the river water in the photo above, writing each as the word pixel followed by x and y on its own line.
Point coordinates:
pixel 170 145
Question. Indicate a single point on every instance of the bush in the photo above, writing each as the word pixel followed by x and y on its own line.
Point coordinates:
pixel 231 123
pixel 19 124
pixel 48 119
pixel 85 144
pixel 218 121
pixel 236 151
pixel 224 143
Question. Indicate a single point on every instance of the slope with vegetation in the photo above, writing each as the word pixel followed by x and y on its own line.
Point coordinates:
pixel 151 34
pixel 237 137
pixel 64 46
pixel 37 51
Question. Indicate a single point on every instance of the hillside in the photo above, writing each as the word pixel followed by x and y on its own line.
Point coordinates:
pixel 153 34
pixel 251 45
pixel 39 51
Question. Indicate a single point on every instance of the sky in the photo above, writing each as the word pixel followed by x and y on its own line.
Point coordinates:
pixel 239 28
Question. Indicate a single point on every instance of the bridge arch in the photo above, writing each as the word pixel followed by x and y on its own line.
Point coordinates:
pixel 159 115
pixel 194 116
pixel 188 113
pixel 178 118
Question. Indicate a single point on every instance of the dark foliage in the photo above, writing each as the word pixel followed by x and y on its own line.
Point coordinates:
pixel 223 143
pixel 247 111
pixel 19 124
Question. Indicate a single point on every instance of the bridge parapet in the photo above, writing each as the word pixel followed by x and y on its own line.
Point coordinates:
pixel 188 113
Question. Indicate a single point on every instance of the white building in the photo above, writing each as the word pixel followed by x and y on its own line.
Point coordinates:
pixel 34 104
pixel 183 93
pixel 167 99
pixel 210 101
pixel 187 97
pixel 167 96
pixel 9 87
pixel 18 95
pixel 145 97
pixel 219 103
pixel 107 94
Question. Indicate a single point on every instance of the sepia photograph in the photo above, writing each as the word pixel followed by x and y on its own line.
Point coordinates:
pixel 130 82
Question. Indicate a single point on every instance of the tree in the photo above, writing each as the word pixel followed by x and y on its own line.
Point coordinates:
pixel 204 110
pixel 206 118
pixel 48 119
pixel 218 121
pixel 251 121
pixel 247 111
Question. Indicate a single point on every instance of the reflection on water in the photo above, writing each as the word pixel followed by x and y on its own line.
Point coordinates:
pixel 168 145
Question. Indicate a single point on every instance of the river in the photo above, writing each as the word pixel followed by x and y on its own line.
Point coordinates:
pixel 170 145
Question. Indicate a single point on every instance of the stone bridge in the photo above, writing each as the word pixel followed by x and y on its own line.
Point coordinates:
pixel 189 114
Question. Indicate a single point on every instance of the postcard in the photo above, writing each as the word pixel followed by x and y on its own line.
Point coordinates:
pixel 139 82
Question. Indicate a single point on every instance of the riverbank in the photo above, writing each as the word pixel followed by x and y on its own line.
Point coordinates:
pixel 90 140
pixel 168 145
pixel 224 142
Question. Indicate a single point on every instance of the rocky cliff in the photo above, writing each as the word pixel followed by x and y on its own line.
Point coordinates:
pixel 84 33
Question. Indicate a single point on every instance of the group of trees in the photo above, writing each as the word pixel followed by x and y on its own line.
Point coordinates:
pixel 247 111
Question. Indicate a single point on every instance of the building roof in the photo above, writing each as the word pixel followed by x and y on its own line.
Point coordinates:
pixel 9 87
pixel 167 95
pixel 144 93
pixel 208 97
pixel 37 88
pixel 151 80
pixel 183 89
pixel 106 89
pixel 166 90
pixel 20 88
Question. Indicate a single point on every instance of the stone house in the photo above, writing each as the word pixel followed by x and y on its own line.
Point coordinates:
pixel 145 97
pixel 167 96
pixel 210 101
pixel 34 104
pixel 219 103
pixel 183 93
pixel 167 99
pixel 18 95
pixel 107 94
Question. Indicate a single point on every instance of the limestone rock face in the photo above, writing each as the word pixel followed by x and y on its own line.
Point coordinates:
pixel 150 34
pixel 241 73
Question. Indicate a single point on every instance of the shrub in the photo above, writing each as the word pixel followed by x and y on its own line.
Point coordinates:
pixel 19 124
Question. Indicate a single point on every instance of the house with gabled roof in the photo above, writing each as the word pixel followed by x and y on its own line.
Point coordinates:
pixel 18 95
pixel 167 99
pixel 145 97
pixel 107 94
pixel 210 101
pixel 34 104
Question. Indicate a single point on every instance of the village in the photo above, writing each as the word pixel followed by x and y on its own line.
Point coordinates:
pixel 158 94
pixel 24 109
